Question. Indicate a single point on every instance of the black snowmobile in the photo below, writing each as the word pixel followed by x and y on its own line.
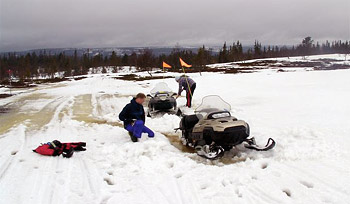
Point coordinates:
pixel 212 130
pixel 161 99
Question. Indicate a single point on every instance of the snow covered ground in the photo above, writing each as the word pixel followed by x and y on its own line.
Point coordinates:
pixel 291 63
pixel 307 113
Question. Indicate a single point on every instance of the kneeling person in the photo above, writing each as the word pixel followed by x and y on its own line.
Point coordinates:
pixel 133 116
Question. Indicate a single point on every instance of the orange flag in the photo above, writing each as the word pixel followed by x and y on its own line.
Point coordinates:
pixel 184 64
pixel 165 65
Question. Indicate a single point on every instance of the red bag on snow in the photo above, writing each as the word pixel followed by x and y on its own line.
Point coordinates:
pixel 56 148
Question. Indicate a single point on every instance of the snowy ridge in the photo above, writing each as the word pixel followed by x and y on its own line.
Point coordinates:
pixel 289 63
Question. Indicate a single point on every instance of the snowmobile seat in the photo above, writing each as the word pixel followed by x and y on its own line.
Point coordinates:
pixel 189 121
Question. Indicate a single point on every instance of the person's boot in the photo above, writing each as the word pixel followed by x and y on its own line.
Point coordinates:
pixel 132 137
pixel 68 153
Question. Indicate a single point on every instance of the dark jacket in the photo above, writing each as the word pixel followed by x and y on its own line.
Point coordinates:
pixel 132 111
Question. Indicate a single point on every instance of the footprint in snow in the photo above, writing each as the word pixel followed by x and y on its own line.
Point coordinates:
pixel 307 184
pixel 287 192
pixel 170 165
pixel 61 181
pixel 225 182
pixel 264 165
pixel 204 186
pixel 179 175
pixel 108 181
pixel 238 193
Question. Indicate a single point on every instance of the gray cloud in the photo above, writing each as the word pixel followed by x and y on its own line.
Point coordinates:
pixel 108 23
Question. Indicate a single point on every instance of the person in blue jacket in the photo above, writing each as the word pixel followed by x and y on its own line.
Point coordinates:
pixel 133 116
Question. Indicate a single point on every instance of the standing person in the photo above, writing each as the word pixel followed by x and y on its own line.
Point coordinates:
pixel 133 116
pixel 188 84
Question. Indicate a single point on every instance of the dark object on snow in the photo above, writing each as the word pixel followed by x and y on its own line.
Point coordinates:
pixel 213 130
pixel 5 95
pixel 161 99
pixel 132 137
pixel 67 153
pixel 56 144
pixel 56 148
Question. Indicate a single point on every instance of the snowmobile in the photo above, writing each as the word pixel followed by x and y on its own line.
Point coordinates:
pixel 161 99
pixel 212 130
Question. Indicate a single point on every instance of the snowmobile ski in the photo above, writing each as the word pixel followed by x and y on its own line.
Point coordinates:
pixel 251 144
pixel 211 152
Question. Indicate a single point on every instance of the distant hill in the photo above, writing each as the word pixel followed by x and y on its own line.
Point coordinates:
pixel 104 51
pixel 107 51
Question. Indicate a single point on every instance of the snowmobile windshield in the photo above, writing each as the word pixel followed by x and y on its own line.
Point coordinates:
pixel 212 104
pixel 161 88
pixel 221 114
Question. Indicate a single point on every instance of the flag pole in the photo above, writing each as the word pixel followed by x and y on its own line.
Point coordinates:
pixel 10 80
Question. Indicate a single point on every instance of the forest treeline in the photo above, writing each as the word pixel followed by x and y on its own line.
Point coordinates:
pixel 45 64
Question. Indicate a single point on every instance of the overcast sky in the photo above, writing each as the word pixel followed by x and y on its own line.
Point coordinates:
pixel 32 24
